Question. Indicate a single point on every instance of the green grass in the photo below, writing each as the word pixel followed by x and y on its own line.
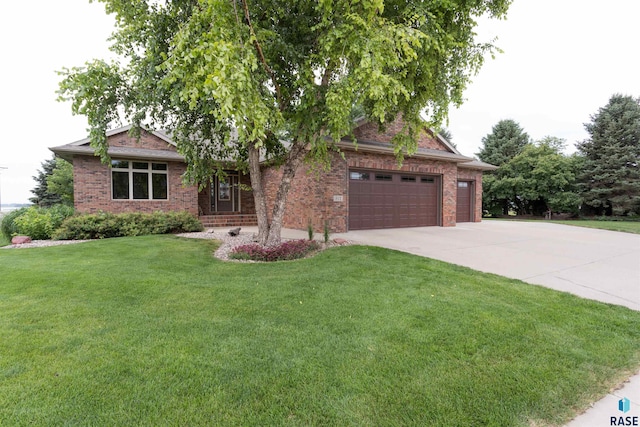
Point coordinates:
pixel 625 226
pixel 154 331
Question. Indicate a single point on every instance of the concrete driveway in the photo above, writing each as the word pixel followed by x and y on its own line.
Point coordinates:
pixel 596 264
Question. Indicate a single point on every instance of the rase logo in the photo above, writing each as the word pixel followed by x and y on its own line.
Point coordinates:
pixel 624 406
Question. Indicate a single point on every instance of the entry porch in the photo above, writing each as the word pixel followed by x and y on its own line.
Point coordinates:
pixel 227 202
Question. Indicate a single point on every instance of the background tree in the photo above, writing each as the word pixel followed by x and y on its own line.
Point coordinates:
pixel 610 181
pixel 541 179
pixel 42 196
pixel 446 134
pixel 60 181
pixel 506 140
pixel 54 183
pixel 234 78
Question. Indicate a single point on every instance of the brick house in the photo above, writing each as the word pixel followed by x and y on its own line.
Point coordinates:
pixel 364 189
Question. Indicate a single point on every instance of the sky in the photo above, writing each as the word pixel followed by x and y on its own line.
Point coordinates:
pixel 562 60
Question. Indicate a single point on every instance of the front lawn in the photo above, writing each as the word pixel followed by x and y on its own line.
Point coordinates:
pixel 154 331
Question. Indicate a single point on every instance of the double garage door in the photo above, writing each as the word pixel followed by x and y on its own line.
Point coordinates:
pixel 380 199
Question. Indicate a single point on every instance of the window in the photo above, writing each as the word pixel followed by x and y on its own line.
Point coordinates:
pixel 383 177
pixel 463 184
pixel 408 178
pixel 224 191
pixel 138 180
pixel 427 180
pixel 359 176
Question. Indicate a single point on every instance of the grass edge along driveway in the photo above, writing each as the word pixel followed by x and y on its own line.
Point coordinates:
pixel 155 331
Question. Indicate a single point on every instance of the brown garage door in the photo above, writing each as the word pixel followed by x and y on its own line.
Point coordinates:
pixel 380 199
pixel 464 205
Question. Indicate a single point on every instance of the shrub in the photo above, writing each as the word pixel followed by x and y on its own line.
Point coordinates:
pixel 293 249
pixel 8 226
pixel 40 223
pixel 326 231
pixel 104 225
pixel 310 229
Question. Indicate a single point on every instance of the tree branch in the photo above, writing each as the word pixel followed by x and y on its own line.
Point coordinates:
pixel 261 55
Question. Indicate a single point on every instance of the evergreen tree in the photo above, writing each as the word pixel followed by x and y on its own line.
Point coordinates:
pixel 506 140
pixel 610 180
pixel 42 196
pixel 54 183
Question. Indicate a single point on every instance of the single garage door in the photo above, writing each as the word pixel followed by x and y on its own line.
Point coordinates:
pixel 381 199
pixel 464 205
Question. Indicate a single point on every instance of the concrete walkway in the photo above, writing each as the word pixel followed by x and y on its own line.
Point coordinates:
pixel 595 264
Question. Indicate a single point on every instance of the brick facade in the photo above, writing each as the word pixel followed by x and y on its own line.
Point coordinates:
pixel 311 197
pixel 92 190
pixel 316 196
pixel 92 182
pixel 369 132
pixel 147 141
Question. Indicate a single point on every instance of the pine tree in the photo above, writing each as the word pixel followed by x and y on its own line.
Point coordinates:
pixel 506 140
pixel 610 180
pixel 42 196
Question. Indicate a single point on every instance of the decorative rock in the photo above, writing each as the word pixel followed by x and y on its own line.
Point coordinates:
pixel 339 241
pixel 19 240
pixel 211 231
pixel 234 231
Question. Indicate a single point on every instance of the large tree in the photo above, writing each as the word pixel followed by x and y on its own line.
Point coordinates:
pixel 611 171
pixel 540 179
pixel 233 79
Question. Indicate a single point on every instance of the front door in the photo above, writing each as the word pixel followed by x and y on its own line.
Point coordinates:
pixel 225 194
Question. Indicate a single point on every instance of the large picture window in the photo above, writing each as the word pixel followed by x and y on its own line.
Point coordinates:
pixel 132 180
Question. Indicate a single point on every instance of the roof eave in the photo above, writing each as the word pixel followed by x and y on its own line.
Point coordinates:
pixel 123 129
pixel 478 165
pixel 67 152
pixel 433 155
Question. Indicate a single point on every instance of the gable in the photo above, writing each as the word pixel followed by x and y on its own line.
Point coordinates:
pixel 151 145
pixel 147 141
pixel 369 132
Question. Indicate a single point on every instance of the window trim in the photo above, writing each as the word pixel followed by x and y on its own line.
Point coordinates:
pixel 130 171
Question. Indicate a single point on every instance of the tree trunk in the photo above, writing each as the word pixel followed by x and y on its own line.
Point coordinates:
pixel 294 158
pixel 255 174
pixel 269 232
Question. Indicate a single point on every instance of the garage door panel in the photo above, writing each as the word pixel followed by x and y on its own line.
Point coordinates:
pixel 464 203
pixel 386 200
